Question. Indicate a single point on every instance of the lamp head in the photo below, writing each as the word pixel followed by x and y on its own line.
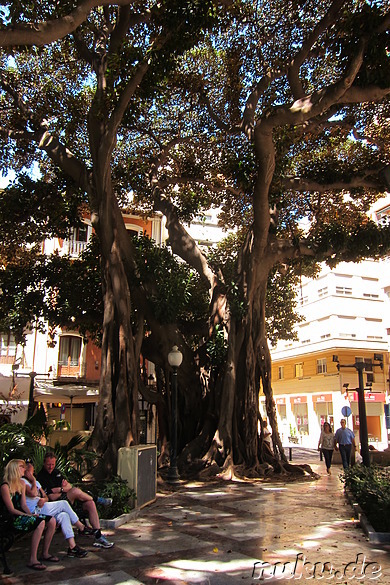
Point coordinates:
pixel 175 357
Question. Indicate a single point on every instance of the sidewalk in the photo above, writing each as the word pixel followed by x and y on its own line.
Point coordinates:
pixel 214 535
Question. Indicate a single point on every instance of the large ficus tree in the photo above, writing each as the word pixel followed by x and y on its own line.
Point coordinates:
pixel 278 115
pixel 281 119
pixel 63 104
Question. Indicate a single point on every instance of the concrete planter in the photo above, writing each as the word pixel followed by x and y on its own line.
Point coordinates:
pixel 113 523
pixel 372 535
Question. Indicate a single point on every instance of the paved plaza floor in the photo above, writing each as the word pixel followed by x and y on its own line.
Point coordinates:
pixel 225 534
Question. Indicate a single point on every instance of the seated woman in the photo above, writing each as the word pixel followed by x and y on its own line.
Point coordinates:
pixel 13 494
pixel 37 501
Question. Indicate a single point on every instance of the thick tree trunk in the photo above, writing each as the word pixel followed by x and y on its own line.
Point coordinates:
pixel 117 418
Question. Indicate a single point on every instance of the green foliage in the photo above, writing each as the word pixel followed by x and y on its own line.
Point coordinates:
pixel 116 488
pixel 371 488
pixel 175 292
pixel 16 442
pixel 217 347
pixel 352 242
pixel 281 303
pixel 31 211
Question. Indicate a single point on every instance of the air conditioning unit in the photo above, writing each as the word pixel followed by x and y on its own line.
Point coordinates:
pixel 138 466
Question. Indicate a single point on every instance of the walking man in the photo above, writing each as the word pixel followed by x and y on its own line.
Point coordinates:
pixel 345 439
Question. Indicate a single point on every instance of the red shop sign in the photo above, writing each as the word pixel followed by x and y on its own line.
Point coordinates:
pixel 299 400
pixel 280 401
pixel 368 397
pixel 322 398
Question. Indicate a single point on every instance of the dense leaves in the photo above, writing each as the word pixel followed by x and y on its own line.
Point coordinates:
pixel 274 113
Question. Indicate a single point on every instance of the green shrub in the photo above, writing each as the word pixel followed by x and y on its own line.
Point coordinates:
pixel 371 488
pixel 116 488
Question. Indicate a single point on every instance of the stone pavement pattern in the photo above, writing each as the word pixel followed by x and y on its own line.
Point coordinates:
pixel 214 534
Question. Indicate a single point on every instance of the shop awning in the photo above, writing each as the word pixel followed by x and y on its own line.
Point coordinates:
pixel 368 397
pixel 322 398
pixel 298 399
pixel 46 391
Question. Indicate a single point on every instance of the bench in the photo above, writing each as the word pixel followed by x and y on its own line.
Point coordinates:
pixel 8 535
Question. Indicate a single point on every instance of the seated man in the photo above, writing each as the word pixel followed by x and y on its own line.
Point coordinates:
pixel 58 488
pixel 38 503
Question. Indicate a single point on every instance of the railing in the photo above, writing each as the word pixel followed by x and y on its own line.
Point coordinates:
pixel 74 247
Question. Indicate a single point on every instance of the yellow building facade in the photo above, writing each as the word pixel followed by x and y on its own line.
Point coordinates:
pixel 310 389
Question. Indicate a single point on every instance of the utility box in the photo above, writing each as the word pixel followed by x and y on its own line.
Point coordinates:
pixel 138 466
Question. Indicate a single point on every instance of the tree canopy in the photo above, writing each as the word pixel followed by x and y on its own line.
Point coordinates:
pixel 276 113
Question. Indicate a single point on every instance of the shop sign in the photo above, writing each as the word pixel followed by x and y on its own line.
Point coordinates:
pixel 299 400
pixel 368 397
pixel 322 398
pixel 280 401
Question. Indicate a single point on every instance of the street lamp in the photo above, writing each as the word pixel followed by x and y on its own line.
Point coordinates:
pixel 175 358
pixel 363 432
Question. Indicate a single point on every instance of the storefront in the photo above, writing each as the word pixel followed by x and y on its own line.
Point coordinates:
pixel 300 414
pixel 323 407
pixel 375 415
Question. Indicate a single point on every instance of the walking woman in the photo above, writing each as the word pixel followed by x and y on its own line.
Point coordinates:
pixel 326 444
pixel 13 494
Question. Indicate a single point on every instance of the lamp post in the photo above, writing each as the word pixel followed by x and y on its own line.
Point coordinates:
pixel 175 358
pixel 363 431
pixel 30 409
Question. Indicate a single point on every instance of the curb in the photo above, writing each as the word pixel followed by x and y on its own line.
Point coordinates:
pixel 372 535
pixel 113 523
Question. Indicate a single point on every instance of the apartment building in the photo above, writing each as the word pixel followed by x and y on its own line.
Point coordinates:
pixel 64 375
pixel 345 312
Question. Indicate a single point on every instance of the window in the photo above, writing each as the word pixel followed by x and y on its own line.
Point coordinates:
pixel 322 292
pixel 70 348
pixel 343 290
pixel 321 366
pixel 134 230
pixel 82 233
pixel 281 373
pixel 299 370
pixel 368 364
pixel 305 341
pixel 370 296
pixel 325 336
pixel 7 345
pixel 367 367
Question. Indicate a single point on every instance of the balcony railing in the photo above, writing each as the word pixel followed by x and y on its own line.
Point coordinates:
pixel 74 247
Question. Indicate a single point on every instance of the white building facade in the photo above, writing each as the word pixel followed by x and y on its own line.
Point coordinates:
pixel 345 312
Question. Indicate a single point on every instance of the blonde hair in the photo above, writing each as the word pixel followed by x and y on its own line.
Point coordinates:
pixel 12 475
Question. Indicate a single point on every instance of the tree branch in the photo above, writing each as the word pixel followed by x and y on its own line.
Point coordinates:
pixel 315 104
pixel 293 70
pixel 44 33
pixel 302 184
pixel 182 244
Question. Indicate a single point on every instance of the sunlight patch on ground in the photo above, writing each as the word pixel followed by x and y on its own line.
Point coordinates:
pixel 196 571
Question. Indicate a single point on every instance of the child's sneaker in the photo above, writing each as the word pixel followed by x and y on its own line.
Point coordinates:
pixel 77 552
pixel 104 501
pixel 102 542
